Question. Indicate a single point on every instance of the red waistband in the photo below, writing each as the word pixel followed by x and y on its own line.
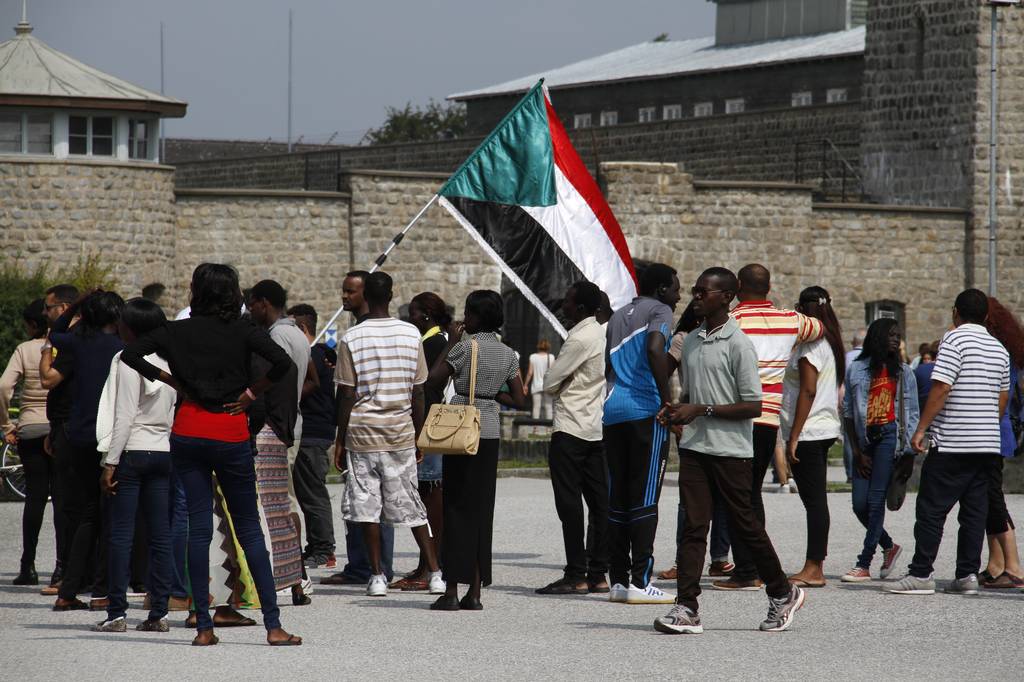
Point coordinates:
pixel 192 421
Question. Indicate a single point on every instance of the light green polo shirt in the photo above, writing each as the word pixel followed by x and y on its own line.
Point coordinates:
pixel 720 369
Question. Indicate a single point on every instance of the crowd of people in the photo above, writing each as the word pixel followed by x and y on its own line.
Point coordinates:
pixel 187 459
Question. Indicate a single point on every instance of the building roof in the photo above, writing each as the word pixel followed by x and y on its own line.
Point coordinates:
pixel 682 57
pixel 34 74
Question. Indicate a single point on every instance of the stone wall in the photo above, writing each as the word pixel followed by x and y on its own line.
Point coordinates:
pixel 859 252
pixel 54 212
pixel 300 239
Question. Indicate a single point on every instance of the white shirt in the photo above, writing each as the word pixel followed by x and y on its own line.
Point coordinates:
pixel 134 413
pixel 823 419
pixel 576 378
pixel 540 363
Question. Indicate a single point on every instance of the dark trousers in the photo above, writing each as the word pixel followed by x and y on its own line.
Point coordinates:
pixel 196 460
pixel 764 452
pixel 65 523
pixel 87 556
pixel 142 484
pixel 810 474
pixel 998 520
pixel 719 526
pixel 177 510
pixel 698 472
pixel 357 565
pixel 309 475
pixel 579 472
pixel 40 484
pixel 469 485
pixel 947 479
pixel 636 452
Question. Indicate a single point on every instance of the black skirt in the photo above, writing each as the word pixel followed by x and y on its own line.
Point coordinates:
pixel 469 484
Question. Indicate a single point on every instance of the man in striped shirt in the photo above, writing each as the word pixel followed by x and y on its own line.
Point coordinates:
pixel 380 375
pixel 775 333
pixel 970 389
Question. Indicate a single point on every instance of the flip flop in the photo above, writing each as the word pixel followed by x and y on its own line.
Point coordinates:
pixel 800 582
pixel 291 641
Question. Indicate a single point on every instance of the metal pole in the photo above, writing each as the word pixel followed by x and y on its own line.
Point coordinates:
pixel 289 81
pixel 163 149
pixel 993 122
pixel 380 261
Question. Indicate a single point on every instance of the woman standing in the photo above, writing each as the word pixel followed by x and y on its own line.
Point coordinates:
pixel 540 363
pixel 134 426
pixel 469 482
pixel 1004 570
pixel 29 436
pixel 809 424
pixel 880 414
pixel 209 355
pixel 428 312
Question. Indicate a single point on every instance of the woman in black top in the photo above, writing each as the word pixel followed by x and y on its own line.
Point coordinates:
pixel 210 356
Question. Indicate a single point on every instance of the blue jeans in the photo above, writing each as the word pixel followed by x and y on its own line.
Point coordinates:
pixel 196 460
pixel 429 469
pixel 178 510
pixel 358 565
pixel 142 477
pixel 869 494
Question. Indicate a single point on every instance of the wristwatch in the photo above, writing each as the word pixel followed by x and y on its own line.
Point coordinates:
pixel 709 411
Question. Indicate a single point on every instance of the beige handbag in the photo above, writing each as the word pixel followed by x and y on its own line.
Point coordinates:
pixel 453 429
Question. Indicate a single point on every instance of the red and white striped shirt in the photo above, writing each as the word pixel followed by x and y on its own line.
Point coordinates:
pixel 775 333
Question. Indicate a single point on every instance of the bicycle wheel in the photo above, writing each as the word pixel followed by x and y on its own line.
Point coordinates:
pixel 14 473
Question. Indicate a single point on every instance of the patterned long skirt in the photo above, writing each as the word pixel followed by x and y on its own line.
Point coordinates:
pixel 283 538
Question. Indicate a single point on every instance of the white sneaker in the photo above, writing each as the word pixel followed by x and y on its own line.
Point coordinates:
pixel 648 595
pixel 378 586
pixel 783 488
pixel 436 585
pixel 792 486
pixel 618 593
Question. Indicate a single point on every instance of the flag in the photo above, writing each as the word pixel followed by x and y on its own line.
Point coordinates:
pixel 526 198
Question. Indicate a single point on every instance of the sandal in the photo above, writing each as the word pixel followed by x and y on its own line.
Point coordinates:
pixel 562 586
pixel 800 582
pixel 1005 581
pixel 985 577
pixel 410 583
pixel 292 640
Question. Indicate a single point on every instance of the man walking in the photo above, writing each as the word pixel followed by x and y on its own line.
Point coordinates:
pixel 970 389
pixel 319 427
pixel 716 452
pixel 381 371
pixel 636 445
pixel 774 333
pixel 576 455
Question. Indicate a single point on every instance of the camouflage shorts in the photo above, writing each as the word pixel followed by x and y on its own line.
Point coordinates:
pixel 382 487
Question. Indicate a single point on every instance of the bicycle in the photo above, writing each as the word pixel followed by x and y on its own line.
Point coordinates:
pixel 12 471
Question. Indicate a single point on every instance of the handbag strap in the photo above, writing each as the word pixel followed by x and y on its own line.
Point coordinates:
pixel 472 370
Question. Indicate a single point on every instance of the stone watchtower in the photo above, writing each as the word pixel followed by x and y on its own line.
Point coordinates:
pixel 926 121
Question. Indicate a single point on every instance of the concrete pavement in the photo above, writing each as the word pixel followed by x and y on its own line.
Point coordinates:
pixel 844 632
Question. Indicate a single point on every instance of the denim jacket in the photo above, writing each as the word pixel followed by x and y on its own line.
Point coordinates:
pixel 855 403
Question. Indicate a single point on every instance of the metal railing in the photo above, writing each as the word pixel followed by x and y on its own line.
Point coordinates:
pixel 836 171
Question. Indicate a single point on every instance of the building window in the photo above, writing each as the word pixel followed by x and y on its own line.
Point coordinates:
pixel 609 118
pixel 801 99
pixel 26 133
pixel 703 109
pixel 581 121
pixel 735 106
pixel 138 139
pixel 834 95
pixel 893 310
pixel 672 112
pixel 91 135
pixel 646 114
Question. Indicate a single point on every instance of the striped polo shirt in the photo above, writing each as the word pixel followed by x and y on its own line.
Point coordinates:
pixel 774 333
pixel 383 359
pixel 977 368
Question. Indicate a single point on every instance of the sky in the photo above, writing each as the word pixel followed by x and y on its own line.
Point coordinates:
pixel 229 58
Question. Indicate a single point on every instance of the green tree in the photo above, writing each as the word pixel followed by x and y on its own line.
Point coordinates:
pixel 436 121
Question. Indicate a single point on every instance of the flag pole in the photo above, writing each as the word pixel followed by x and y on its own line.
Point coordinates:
pixel 379 262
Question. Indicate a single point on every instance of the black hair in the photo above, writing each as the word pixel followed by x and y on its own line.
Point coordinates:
pixel 876 348
pixel 729 281
pixel 756 279
pixel 99 309
pixel 35 314
pixel 305 316
pixel 378 288
pixel 64 293
pixel 142 316
pixel 361 274
pixel 488 306
pixel 972 305
pixel 153 291
pixel 215 291
pixel 270 291
pixel 434 306
pixel 587 295
pixel 654 277
pixel 689 320
pixel 833 332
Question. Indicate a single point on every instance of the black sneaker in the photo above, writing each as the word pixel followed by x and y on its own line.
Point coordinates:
pixel 315 560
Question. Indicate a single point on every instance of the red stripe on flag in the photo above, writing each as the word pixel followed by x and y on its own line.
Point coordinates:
pixel 569 162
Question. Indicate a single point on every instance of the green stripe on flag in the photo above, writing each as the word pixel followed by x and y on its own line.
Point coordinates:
pixel 515 165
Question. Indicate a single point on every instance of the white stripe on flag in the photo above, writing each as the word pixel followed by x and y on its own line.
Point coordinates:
pixel 508 272
pixel 579 234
